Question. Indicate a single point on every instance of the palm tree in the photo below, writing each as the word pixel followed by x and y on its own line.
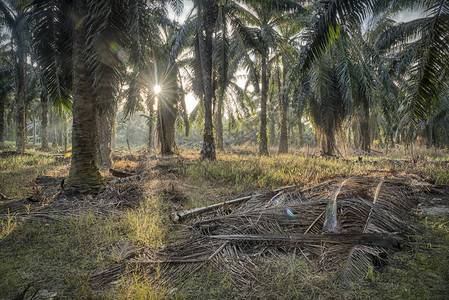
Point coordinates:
pixel 15 16
pixel 207 16
pixel 84 175
pixel 263 17
pixel 6 85
pixel 97 67
pixel 286 55
pixel 429 59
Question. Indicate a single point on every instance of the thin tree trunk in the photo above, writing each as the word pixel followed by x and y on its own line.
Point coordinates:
pixel 150 122
pixel 84 175
pixel 283 134
pixel 34 131
pixel 263 143
pixel 20 103
pixel 219 122
pixel 54 143
pixel 61 130
pixel 2 119
pixel 210 18
pixel 64 128
pixel 272 129
pixel 430 141
pixel 44 122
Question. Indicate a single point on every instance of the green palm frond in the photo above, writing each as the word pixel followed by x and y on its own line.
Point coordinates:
pixel 432 68
pixel 52 42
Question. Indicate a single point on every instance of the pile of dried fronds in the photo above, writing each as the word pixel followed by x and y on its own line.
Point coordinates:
pixel 352 223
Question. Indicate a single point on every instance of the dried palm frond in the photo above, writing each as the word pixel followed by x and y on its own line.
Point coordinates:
pixel 372 213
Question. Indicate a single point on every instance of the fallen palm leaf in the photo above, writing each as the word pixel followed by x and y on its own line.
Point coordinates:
pixel 372 216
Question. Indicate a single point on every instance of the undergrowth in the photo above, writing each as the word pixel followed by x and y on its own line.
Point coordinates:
pixel 17 172
pixel 267 172
pixel 62 255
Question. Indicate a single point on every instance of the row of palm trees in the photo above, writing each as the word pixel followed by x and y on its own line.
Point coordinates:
pixel 320 56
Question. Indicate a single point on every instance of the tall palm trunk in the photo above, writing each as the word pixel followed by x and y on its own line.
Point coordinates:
pixel 61 130
pixel 166 124
pixel 2 119
pixel 219 122
pixel 34 131
pixel 20 102
pixel 263 143
pixel 272 128
pixel 104 135
pixel 210 19
pixel 84 175
pixel 150 122
pixel 54 131
pixel 362 137
pixel 328 143
pixel 17 26
pixel 65 141
pixel 44 122
pixel 105 113
pixel 283 135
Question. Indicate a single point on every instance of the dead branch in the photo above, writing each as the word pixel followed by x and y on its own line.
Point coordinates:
pixel 120 174
pixel 189 213
pixel 185 214
pixel 384 240
pixel 3 197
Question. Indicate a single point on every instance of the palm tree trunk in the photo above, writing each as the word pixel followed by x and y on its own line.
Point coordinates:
pixel 104 134
pixel 61 130
pixel 263 143
pixel 166 124
pixel 2 119
pixel 283 135
pixel 365 136
pixel 84 175
pixel 44 122
pixel 105 112
pixel 210 18
pixel 150 122
pixel 20 103
pixel 65 133
pixel 328 142
pixel 219 122
pixel 34 131
pixel 54 132
pixel 272 128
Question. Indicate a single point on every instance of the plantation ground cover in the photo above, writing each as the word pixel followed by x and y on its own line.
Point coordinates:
pixel 59 243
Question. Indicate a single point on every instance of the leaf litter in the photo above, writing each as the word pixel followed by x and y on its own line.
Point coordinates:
pixel 353 224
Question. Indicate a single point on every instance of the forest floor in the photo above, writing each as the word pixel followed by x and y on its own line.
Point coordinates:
pixel 54 246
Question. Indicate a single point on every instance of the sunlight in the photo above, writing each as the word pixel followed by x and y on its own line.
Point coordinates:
pixel 157 89
pixel 191 102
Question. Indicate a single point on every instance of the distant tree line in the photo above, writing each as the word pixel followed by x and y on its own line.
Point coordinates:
pixel 69 67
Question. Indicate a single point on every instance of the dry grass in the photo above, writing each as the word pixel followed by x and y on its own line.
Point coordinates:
pixel 59 246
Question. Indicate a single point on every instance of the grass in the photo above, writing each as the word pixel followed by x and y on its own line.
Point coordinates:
pixel 17 172
pixel 62 255
pixel 54 255
pixel 8 224
pixel 267 172
pixel 146 223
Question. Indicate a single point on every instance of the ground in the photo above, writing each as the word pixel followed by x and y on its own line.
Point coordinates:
pixel 62 246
